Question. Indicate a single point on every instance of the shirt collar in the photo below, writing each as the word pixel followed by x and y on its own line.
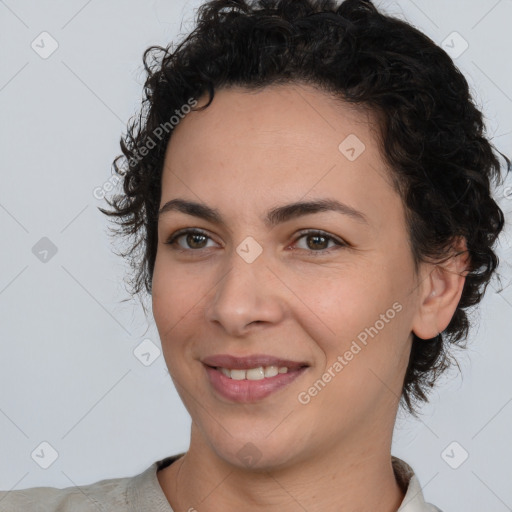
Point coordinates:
pixel 144 489
pixel 414 500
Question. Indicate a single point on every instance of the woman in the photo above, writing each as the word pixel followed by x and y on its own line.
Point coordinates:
pixel 310 185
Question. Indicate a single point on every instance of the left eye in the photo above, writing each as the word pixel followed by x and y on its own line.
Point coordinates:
pixel 194 238
pixel 319 238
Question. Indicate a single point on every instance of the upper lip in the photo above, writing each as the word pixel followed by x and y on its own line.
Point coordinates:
pixel 252 361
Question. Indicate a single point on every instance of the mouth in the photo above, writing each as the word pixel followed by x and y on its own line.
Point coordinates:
pixel 258 373
pixel 251 378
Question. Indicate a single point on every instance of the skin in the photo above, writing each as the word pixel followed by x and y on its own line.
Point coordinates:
pixel 246 153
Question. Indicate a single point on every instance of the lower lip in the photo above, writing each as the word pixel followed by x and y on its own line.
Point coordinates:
pixel 250 390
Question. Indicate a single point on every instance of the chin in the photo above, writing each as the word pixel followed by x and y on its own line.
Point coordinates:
pixel 256 454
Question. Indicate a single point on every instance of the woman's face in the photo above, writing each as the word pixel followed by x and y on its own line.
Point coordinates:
pixel 260 288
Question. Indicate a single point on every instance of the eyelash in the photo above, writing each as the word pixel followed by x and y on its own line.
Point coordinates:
pixel 312 232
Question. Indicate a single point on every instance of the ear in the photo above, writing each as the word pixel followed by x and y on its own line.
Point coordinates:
pixel 440 291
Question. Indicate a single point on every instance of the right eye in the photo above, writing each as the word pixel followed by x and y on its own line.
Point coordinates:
pixel 192 237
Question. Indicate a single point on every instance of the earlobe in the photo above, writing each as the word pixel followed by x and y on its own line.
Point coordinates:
pixel 440 293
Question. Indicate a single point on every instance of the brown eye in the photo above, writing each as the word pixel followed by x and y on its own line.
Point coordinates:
pixel 318 241
pixel 194 239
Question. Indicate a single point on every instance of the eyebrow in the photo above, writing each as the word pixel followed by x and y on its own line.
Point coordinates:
pixel 274 216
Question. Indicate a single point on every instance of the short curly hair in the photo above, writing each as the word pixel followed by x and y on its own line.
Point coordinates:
pixel 431 132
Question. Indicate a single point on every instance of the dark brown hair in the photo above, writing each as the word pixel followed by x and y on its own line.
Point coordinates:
pixel 431 133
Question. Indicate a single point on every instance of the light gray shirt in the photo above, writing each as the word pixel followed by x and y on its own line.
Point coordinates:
pixel 142 492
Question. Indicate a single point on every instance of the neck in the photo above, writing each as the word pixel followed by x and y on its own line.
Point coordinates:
pixel 341 480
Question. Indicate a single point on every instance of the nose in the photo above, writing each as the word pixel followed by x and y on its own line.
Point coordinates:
pixel 246 294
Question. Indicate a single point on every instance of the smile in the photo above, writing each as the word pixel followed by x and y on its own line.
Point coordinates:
pixel 261 372
pixel 250 378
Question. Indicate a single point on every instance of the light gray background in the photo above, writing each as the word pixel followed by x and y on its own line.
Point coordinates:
pixel 68 374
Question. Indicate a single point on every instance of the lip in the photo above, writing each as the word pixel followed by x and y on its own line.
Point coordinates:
pixel 246 391
pixel 251 361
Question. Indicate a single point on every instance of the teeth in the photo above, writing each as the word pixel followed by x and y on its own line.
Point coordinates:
pixel 238 374
pixel 225 372
pixel 253 373
pixel 272 371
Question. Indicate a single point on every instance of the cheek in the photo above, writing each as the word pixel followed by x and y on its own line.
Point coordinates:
pixel 174 297
pixel 363 318
pixel 363 362
pixel 344 303
pixel 174 292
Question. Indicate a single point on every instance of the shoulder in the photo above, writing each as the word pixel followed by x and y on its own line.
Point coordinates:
pixel 120 494
pixel 112 493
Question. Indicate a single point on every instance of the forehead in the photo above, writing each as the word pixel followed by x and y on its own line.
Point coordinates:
pixel 294 116
pixel 252 149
